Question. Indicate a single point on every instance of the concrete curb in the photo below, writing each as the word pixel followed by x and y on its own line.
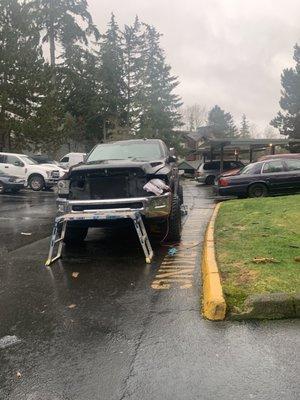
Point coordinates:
pixel 213 304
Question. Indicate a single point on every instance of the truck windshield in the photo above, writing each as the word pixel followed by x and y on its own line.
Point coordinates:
pixel 147 151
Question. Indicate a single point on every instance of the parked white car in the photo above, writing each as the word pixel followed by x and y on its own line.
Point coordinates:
pixel 37 176
pixel 71 159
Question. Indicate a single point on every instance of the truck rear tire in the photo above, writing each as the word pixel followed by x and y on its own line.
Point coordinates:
pixel 174 221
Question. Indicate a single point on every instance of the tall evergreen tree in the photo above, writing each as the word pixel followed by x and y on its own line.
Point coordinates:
pixel 159 104
pixel 221 123
pixel 113 86
pixel 80 90
pixel 288 120
pixel 245 128
pixel 133 63
pixel 21 72
pixel 63 22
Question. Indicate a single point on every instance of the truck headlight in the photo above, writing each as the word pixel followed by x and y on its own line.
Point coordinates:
pixel 63 187
pixel 48 174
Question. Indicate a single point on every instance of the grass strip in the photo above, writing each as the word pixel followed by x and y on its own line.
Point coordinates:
pixel 258 247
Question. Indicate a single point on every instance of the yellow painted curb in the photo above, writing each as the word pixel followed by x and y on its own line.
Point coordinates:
pixel 214 305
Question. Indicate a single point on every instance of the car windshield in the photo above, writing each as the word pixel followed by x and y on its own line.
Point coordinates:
pixel 251 169
pixel 145 151
pixel 28 160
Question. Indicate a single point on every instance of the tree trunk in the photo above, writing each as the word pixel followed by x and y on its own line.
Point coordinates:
pixel 52 41
pixel 128 91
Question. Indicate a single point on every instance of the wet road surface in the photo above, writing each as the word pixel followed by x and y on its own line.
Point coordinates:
pixel 123 329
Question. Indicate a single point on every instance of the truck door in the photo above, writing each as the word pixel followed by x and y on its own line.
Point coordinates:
pixel 14 166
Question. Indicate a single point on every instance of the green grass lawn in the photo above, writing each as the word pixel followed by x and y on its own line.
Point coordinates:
pixel 258 228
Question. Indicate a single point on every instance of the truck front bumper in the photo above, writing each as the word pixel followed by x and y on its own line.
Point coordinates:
pixel 149 207
pixel 50 182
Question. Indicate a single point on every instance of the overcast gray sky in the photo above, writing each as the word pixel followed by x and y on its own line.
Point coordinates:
pixel 226 52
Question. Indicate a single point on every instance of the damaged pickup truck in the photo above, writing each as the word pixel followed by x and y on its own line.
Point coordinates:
pixel 139 175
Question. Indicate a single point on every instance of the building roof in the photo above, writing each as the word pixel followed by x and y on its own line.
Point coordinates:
pixel 242 144
pixel 202 133
pixel 184 164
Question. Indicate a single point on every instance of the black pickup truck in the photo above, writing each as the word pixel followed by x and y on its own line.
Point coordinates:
pixel 140 175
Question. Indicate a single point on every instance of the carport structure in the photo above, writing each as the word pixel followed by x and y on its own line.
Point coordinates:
pixel 234 147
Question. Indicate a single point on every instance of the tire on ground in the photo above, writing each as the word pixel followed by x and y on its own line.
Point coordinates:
pixel 258 190
pixel 180 194
pixel 174 221
pixel 36 182
pixel 75 235
pixel 210 180
pixel 2 188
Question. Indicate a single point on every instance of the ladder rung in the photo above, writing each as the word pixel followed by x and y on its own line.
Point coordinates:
pixel 58 240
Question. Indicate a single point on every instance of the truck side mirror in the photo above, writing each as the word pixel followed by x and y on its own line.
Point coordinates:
pixel 171 159
pixel 19 164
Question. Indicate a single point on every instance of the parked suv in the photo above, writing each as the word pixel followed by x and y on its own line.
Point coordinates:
pixel 139 175
pixel 37 176
pixel 209 171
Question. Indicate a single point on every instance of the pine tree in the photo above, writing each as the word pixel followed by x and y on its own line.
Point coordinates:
pixel 80 90
pixel 221 123
pixel 133 64
pixel 113 86
pixel 63 22
pixel 288 120
pixel 159 105
pixel 245 128
pixel 21 73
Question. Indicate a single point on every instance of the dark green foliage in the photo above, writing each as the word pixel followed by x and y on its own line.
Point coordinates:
pixel 158 102
pixel 79 92
pixel 221 123
pixel 21 72
pixel 133 37
pixel 120 87
pixel 59 20
pixel 288 120
pixel 111 78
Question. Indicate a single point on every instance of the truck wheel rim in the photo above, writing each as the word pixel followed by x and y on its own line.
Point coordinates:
pixel 35 183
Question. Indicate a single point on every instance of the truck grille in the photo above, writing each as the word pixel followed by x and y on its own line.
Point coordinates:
pixel 55 174
pixel 134 206
pixel 109 184
pixel 108 188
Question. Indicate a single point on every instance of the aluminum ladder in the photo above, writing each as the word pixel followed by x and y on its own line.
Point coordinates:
pixel 58 234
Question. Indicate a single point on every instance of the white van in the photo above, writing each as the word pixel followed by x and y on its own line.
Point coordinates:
pixel 37 176
pixel 71 159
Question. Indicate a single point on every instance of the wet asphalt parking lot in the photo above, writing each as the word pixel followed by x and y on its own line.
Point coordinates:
pixel 123 329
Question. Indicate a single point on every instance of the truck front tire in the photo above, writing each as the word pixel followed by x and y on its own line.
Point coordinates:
pixel 174 233
pixel 180 194
pixel 36 182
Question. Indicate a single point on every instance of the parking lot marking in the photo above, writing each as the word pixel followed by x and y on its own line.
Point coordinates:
pixel 177 270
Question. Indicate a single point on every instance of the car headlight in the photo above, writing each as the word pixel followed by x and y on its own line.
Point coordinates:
pixel 48 174
pixel 63 187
